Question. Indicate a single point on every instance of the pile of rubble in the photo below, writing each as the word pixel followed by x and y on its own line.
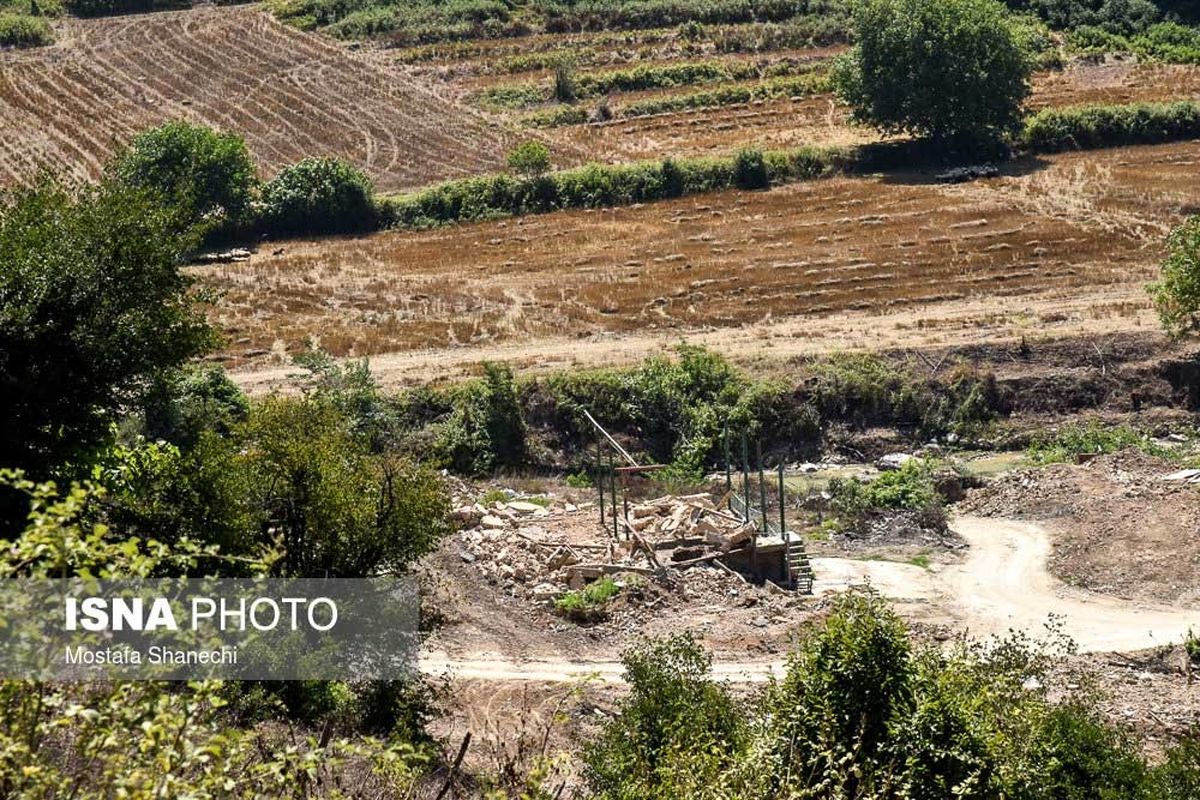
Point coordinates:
pixel 508 541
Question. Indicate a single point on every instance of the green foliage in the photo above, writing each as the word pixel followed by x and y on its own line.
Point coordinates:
pixel 566 89
pixel 909 488
pixel 339 511
pixel 1178 776
pixel 1113 16
pixel 93 309
pixel 954 70
pixel 182 404
pixel 1093 438
pixel 208 175
pixel 592 186
pixel 750 170
pixel 863 712
pixel 1086 127
pixel 676 732
pixel 530 159
pixel 588 604
pixel 486 429
pixel 1176 294
pixel 318 196
pixel 841 695
pixel 640 78
pixel 24 30
pixel 100 8
pixel 864 390
pixel 579 480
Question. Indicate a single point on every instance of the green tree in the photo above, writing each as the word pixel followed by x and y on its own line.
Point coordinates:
pixel 677 731
pixel 953 70
pixel 486 429
pixel 339 510
pixel 1176 294
pixel 93 307
pixel 530 159
pixel 208 175
pixel 318 195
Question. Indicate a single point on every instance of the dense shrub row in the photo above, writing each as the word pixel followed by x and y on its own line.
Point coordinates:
pixel 596 185
pixel 1057 129
pixel 1167 41
pixel 593 84
pixel 23 30
pixel 1113 16
pixel 410 22
pixel 675 410
pixel 811 83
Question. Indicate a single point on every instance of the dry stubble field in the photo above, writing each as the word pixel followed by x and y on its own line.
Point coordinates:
pixel 290 94
pixel 1076 233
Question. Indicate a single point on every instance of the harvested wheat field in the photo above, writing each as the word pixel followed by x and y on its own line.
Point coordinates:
pixel 820 120
pixel 290 94
pixel 1083 228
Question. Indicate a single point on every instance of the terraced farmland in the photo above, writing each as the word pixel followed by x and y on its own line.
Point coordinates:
pixel 291 94
pixel 1072 227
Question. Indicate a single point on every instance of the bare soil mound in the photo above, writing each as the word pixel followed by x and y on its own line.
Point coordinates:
pixel 1118 528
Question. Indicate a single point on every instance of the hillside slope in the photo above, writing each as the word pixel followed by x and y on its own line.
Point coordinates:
pixel 291 94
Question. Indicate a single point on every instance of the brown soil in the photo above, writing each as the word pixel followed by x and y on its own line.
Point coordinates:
pixel 1119 529
pixel 1081 232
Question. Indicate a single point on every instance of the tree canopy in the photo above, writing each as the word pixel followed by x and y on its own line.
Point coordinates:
pixel 953 70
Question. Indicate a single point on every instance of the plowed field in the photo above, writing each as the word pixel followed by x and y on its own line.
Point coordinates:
pixel 291 94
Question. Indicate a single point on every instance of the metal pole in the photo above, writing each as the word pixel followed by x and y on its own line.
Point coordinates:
pixel 612 471
pixel 783 533
pixel 599 473
pixel 762 488
pixel 728 466
pixel 745 478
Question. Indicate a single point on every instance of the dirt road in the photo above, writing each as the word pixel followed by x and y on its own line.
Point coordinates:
pixel 1004 584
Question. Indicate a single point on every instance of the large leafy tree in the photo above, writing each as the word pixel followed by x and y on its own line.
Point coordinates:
pixel 1176 294
pixel 952 70
pixel 93 306
pixel 203 173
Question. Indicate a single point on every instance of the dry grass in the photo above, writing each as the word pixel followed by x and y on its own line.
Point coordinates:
pixel 1076 224
pixel 291 94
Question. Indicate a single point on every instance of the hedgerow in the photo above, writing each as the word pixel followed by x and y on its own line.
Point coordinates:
pixel 812 83
pixel 1085 127
pixel 23 30
pixel 594 84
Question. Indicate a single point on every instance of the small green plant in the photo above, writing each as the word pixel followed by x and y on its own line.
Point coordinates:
pixel 587 604
pixel 579 480
pixel 494 496
pixel 1176 295
pixel 529 159
pixel 1192 645
pixel 1093 438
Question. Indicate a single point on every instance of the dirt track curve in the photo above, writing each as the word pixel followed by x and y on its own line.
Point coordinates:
pixel 1004 584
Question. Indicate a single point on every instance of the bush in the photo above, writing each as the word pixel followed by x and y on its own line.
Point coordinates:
pixel 676 732
pixel 23 30
pixel 529 159
pixel 955 71
pixel 1176 294
pixel 93 308
pixel 486 429
pixel 318 196
pixel 1093 438
pixel 749 170
pixel 338 510
pixel 207 175
pixel 587 604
